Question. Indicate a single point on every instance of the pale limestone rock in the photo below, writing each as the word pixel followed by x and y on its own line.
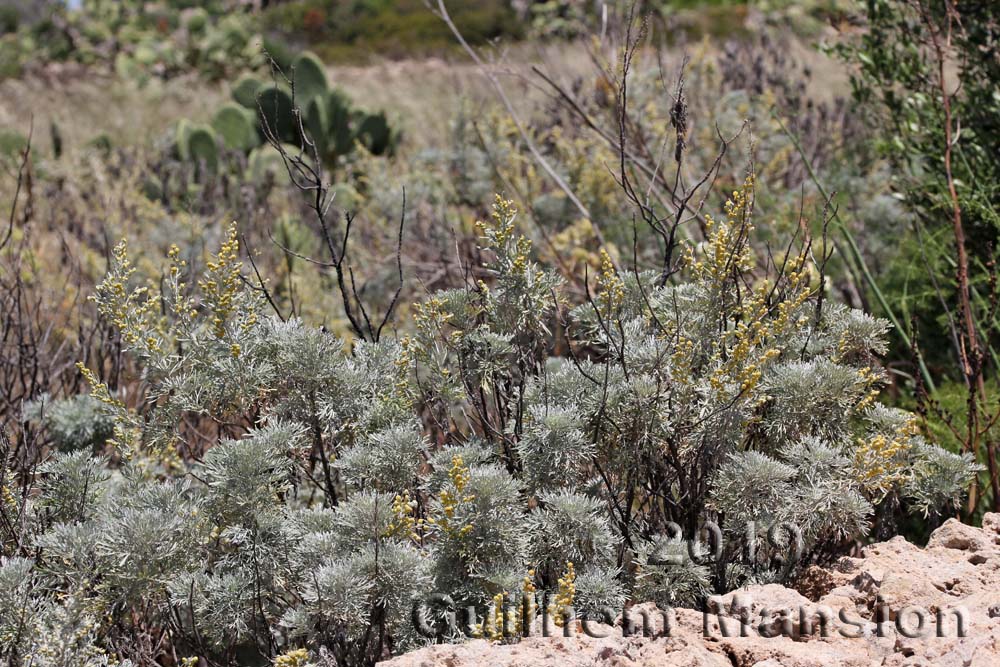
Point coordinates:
pixel 886 594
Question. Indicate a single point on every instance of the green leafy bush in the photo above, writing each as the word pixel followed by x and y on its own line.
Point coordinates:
pixel 925 75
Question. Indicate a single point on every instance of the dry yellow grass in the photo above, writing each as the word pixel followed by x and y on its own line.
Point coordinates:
pixel 85 104
pixel 419 95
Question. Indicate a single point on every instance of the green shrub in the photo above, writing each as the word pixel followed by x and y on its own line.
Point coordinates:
pixel 925 77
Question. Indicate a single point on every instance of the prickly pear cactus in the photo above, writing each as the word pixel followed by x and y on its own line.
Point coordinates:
pixel 279 52
pixel 327 118
pixel 181 139
pixel 265 162
pixel 374 132
pixel 309 78
pixel 197 20
pixel 55 134
pixel 317 124
pixel 245 91
pixel 277 113
pixel 235 126
pixel 203 149
pixel 341 122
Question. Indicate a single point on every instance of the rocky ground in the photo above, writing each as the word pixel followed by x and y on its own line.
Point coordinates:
pixel 897 605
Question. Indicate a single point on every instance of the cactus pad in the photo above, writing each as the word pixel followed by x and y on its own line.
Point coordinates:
pixel 245 91
pixel 202 149
pixel 276 109
pixel 309 78
pixel 235 126
pixel 375 134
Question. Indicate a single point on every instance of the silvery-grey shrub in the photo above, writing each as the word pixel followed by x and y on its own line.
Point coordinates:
pixel 283 488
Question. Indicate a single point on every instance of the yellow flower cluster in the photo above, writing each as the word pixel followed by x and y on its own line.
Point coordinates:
pixel 221 284
pixel 98 389
pixel 565 595
pixel 528 595
pixel 131 311
pixel 747 346
pixel 528 585
pixel 125 433
pixel 513 251
pixel 682 360
pixel 170 458
pixel 879 461
pixel 743 351
pixel 403 362
pixel 125 437
pixel 500 615
pixel 744 361
pixel 459 475
pixel 843 345
pixel 404 521
pixel 870 380
pixel 182 306
pixel 750 342
pixel 522 249
pixel 726 250
pixel 297 658
pixel 189 661
pixel 430 316
pixel 611 287
pixel 502 230
pixel 9 500
pixel 505 620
